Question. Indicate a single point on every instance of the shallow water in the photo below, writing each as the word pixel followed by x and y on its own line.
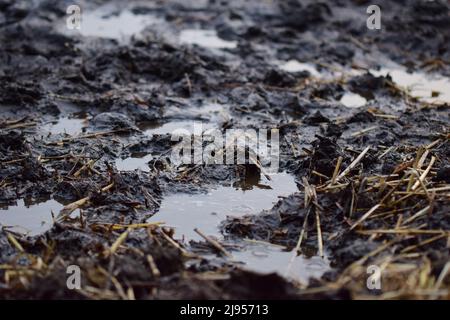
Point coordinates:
pixel 70 126
pixel 151 128
pixel 31 219
pixel 266 258
pixel 426 87
pixel 353 100
pixel 207 116
pixel 205 211
pixel 205 38
pixel 136 161
pixel 208 111
pixel 297 66
pixel 185 212
pixel 104 24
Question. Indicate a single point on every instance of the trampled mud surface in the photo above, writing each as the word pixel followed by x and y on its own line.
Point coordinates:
pixel 87 179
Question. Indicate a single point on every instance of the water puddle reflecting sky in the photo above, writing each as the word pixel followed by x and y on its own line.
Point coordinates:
pixel 70 126
pixel 185 212
pixel 120 26
pixel 205 38
pixel 426 87
pixel 296 66
pixel 207 116
pixel 30 219
pixel 266 258
pixel 151 128
pixel 353 100
pixel 137 161
pixel 205 211
pixel 106 22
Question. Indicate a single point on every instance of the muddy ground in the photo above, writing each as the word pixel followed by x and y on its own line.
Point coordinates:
pixel 373 181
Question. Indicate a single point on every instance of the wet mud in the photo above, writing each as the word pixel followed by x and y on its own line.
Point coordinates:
pixel 87 179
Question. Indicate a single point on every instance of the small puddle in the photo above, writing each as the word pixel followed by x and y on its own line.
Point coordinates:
pixel 353 100
pixel 208 116
pixel 296 66
pixel 205 38
pixel 137 161
pixel 185 212
pixel 428 88
pixel 104 23
pixel 70 126
pixel 151 128
pixel 30 219
pixel 266 258
pixel 208 112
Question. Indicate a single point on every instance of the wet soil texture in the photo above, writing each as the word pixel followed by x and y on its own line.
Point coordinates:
pixel 359 208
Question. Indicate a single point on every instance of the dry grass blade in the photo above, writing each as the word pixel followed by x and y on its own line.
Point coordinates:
pixel 403 231
pixel 386 152
pixel 176 245
pixel 118 242
pixel 87 165
pixel 14 242
pixel 424 174
pixel 442 275
pixel 364 131
pixel 425 242
pixel 365 216
pixel 336 170
pixel 353 164
pixel 130 226
pixel 417 215
pixel 319 234
pixel 71 207
pixel 153 266
pixel 299 243
pixel 213 242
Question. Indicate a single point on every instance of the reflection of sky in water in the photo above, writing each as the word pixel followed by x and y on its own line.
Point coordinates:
pixel 206 38
pixel 296 66
pixel 34 219
pixel 135 162
pixel 185 212
pixel 419 84
pixel 101 23
pixel 208 116
pixel 353 100
pixel 70 126
pixel 171 127
pixel 428 87
pixel 267 258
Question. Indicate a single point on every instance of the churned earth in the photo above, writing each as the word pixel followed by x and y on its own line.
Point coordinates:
pixel 87 176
